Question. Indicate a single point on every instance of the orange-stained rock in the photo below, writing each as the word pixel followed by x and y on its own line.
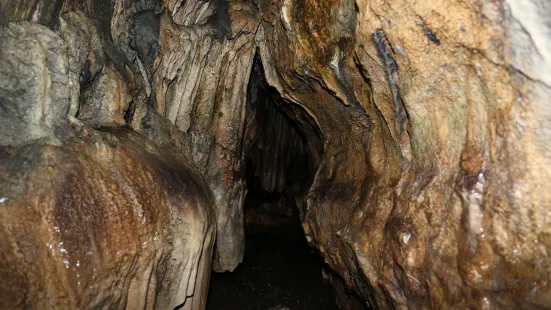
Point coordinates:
pixel 432 187
pixel 105 220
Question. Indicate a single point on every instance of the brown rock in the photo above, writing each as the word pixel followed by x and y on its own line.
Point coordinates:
pixel 102 222
pixel 431 118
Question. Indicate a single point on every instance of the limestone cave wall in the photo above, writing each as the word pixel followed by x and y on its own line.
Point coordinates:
pixel 127 123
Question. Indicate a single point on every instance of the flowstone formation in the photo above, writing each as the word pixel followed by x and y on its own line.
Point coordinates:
pixel 90 218
pixel 126 126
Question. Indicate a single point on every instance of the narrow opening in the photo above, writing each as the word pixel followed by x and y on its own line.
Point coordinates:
pixel 279 269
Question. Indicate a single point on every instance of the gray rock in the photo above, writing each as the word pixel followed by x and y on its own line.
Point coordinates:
pixel 84 51
pixel 145 36
pixel 39 11
pixel 105 100
pixel 34 85
pixel 158 129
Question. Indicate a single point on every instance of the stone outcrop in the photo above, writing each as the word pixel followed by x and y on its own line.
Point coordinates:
pixel 90 219
pixel 426 123
pixel 106 220
pixel 35 87
pixel 430 190
pixel 192 91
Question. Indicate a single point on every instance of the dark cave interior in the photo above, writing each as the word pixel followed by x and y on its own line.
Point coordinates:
pixel 279 269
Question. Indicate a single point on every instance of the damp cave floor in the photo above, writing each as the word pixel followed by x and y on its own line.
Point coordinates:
pixel 278 269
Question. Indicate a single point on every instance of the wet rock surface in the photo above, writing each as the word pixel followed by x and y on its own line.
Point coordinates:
pixel 91 216
pixel 426 122
pixel 106 220
pixel 34 84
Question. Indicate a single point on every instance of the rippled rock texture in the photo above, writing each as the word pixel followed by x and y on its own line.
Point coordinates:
pixel 426 124
pixel 106 220
pixel 90 218
pixel 431 191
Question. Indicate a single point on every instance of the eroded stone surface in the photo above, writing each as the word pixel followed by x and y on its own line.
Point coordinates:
pixel 106 220
pixel 34 84
pixel 90 219
pixel 104 101
pixel 431 188
pixel 434 199
pixel 193 90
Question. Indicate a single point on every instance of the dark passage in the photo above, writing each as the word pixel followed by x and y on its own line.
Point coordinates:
pixel 279 270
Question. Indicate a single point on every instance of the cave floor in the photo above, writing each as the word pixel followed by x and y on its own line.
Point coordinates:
pixel 278 269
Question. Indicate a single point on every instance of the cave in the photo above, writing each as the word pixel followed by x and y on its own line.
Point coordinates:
pixel 284 154
pixel 279 268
